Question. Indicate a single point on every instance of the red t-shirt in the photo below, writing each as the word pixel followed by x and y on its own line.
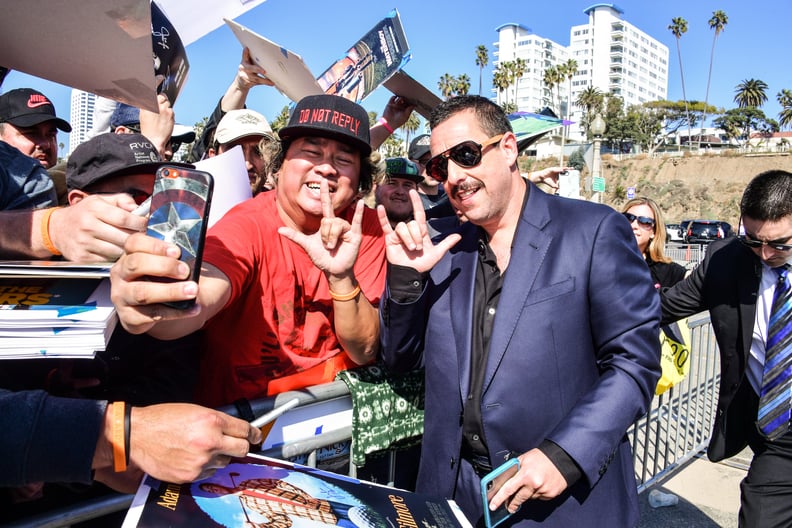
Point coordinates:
pixel 279 320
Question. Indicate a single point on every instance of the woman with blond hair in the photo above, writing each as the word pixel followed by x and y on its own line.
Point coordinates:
pixel 648 227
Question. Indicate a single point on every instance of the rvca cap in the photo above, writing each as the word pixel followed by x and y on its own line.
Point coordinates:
pixel 108 155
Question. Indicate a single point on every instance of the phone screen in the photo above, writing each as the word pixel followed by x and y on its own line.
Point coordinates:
pixel 490 485
pixel 179 212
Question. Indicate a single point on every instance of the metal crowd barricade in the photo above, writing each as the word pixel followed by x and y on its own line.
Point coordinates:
pixel 688 255
pixel 676 428
pixel 678 424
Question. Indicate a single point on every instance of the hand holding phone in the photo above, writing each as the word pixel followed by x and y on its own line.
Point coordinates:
pixel 490 485
pixel 179 212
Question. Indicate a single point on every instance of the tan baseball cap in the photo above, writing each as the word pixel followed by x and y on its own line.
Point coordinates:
pixel 241 123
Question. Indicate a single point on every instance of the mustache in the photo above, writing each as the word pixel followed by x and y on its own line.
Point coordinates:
pixel 467 185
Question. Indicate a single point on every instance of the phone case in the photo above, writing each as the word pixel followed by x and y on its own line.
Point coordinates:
pixel 490 485
pixel 179 212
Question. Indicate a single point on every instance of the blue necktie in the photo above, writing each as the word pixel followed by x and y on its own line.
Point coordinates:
pixel 774 401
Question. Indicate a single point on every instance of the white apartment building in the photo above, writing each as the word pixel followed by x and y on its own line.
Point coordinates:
pixel 611 54
pixel 530 93
pixel 81 118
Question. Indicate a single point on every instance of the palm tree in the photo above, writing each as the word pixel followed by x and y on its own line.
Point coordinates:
pixel 519 69
pixel 552 77
pixel 751 92
pixel 717 22
pixel 446 85
pixel 784 98
pixel 411 126
pixel 568 69
pixel 500 81
pixel 280 121
pixel 591 101
pixel 462 84
pixel 482 59
pixel 679 27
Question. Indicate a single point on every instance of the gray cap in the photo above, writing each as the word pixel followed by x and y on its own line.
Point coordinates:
pixel 419 147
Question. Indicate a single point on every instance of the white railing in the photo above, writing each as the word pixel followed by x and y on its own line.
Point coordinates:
pixel 676 428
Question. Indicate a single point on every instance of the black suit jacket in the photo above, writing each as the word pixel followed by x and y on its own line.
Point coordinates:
pixel 727 284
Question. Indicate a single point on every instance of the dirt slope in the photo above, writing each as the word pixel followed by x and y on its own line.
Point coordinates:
pixel 708 186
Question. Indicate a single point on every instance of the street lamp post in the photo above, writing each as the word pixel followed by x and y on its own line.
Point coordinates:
pixel 597 129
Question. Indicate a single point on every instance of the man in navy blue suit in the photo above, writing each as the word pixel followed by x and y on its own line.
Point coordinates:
pixel 537 323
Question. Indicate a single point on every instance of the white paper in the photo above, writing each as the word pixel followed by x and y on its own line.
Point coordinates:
pixel 195 18
pixel 99 46
pixel 231 182
pixel 285 68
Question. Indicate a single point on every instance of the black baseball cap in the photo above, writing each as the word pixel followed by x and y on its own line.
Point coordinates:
pixel 25 107
pixel 108 155
pixel 329 116
pixel 419 147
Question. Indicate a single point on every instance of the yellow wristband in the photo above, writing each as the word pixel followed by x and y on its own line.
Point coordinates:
pixel 346 296
pixel 45 238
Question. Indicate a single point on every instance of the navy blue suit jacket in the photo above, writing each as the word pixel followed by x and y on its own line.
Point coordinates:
pixel 573 358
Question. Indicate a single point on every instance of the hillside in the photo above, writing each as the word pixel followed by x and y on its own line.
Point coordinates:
pixel 707 186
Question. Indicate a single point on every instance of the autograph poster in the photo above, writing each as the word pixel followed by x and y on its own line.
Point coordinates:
pixel 371 61
pixel 257 491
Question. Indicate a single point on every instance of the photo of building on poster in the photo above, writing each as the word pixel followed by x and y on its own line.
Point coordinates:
pixel 258 492
pixel 371 61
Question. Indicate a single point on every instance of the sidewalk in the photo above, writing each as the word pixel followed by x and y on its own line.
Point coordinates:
pixel 709 495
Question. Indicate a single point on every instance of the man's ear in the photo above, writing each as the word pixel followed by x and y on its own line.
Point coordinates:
pixel 210 152
pixel 75 196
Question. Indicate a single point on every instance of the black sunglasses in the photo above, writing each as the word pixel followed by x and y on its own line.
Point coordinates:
pixel 756 244
pixel 467 154
pixel 642 220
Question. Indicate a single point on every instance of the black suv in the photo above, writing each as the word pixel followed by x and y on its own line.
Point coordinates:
pixel 706 231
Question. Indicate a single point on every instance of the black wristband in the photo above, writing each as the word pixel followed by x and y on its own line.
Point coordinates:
pixel 127 430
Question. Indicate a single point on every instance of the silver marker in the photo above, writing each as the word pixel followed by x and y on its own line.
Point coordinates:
pixel 274 413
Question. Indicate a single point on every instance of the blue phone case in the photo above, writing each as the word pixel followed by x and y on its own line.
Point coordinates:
pixel 490 485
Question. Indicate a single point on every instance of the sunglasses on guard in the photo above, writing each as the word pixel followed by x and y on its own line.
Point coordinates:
pixel 467 154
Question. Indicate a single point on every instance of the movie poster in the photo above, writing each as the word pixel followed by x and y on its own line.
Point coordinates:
pixel 262 492
pixel 371 61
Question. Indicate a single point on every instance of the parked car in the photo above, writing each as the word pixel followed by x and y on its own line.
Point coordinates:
pixel 674 233
pixel 705 231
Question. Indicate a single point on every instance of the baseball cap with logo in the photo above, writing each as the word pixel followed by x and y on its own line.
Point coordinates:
pixel 25 107
pixel 108 155
pixel 241 123
pixel 419 147
pixel 329 116
pixel 129 117
pixel 402 168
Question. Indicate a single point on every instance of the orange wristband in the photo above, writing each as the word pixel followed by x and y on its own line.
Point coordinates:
pixel 346 296
pixel 117 436
pixel 45 238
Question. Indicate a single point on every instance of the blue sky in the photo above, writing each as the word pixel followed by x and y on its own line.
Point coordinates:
pixel 443 36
